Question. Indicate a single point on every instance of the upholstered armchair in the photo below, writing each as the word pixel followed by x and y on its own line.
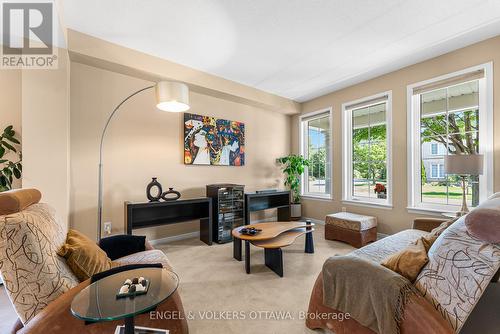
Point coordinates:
pixel 41 286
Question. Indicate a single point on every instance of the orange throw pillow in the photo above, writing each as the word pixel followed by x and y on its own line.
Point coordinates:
pixel 409 261
pixel 83 256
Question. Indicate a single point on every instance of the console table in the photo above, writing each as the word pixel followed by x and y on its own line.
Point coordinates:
pixel 267 200
pixel 142 215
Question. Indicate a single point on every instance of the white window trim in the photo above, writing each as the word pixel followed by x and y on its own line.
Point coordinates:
pixel 438 175
pixel 347 196
pixel 301 148
pixel 485 139
pixel 437 148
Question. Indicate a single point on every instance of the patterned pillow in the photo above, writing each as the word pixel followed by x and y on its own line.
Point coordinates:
pixel 460 268
pixel 34 275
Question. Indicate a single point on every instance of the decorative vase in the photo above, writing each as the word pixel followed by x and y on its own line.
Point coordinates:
pixel 295 211
pixel 154 184
pixel 171 191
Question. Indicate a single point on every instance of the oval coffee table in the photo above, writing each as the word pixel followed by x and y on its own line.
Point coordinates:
pixel 273 237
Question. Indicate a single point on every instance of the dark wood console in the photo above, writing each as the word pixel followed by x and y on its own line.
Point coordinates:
pixel 142 215
pixel 267 200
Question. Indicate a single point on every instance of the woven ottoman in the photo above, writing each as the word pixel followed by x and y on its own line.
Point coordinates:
pixel 356 230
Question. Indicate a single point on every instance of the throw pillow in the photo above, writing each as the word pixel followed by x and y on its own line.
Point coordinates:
pixel 83 256
pixel 430 237
pixel 119 246
pixel 484 224
pixel 409 261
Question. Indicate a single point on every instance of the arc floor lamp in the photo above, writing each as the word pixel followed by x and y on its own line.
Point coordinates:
pixel 170 96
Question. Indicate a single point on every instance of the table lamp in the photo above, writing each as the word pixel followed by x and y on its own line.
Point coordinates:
pixel 464 165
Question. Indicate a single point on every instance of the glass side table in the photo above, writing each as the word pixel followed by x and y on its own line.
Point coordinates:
pixel 98 301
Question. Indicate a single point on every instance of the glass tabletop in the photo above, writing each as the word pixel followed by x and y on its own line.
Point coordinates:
pixel 98 301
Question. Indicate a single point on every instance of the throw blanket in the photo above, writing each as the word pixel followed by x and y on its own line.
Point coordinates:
pixel 372 294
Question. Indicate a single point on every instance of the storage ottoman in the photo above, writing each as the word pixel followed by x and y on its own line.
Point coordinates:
pixel 356 230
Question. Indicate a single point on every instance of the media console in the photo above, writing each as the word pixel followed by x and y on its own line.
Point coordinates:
pixel 142 215
pixel 268 200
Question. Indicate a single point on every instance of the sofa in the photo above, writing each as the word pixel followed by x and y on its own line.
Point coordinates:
pixel 448 287
pixel 40 284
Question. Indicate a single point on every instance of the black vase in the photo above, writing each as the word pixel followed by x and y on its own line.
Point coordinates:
pixel 152 185
pixel 176 194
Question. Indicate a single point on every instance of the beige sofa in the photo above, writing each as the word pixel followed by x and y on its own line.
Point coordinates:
pixel 38 282
pixel 459 269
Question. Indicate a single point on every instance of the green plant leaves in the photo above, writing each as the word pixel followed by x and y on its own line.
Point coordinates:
pixel 7 145
pixel 9 169
pixel 294 166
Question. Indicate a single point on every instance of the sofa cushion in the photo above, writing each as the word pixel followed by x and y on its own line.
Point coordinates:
pixel 409 261
pixel 389 245
pixel 460 268
pixel 484 224
pixel 16 200
pixel 33 273
pixel 83 256
pixel 149 256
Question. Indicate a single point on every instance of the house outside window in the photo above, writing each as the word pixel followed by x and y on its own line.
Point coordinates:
pixel 316 141
pixel 367 165
pixel 449 115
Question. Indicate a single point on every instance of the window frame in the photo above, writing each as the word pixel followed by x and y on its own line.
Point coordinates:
pixel 347 177
pixel 432 148
pixel 302 119
pixel 486 181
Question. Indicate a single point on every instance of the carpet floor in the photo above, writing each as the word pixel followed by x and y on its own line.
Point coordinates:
pixel 219 297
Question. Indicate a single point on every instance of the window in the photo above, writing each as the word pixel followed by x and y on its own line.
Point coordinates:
pixel 434 148
pixel 315 130
pixel 437 171
pixel 367 150
pixel 449 115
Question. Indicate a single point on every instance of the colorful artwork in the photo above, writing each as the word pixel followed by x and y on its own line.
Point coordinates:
pixel 213 141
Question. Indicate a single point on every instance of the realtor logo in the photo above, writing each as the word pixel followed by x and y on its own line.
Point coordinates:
pixel 28 35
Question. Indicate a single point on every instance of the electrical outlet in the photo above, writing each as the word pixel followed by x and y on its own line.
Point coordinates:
pixel 107 227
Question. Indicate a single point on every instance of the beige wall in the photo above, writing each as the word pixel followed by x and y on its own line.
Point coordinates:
pixel 45 137
pixel 10 106
pixel 143 142
pixel 398 218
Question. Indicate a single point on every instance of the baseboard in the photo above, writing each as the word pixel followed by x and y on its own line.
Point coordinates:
pixel 196 234
pixel 178 237
pixel 315 221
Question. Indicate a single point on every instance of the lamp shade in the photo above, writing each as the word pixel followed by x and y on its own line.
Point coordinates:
pixel 464 164
pixel 172 96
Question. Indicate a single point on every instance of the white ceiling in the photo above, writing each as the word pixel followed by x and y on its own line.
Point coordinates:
pixel 298 49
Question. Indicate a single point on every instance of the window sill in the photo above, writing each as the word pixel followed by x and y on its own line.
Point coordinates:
pixel 430 211
pixel 376 205
pixel 317 197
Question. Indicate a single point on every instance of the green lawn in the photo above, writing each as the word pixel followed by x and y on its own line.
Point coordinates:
pixel 435 191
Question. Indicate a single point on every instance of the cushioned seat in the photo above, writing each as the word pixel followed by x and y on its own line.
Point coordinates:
pixel 148 257
pixel 351 221
pixel 357 230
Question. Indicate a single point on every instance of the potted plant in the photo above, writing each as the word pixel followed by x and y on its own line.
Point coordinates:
pixel 293 167
pixel 380 190
pixel 10 168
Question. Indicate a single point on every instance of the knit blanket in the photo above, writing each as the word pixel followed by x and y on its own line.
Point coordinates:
pixel 371 294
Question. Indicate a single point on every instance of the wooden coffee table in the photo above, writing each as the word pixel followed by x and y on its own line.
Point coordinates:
pixel 273 237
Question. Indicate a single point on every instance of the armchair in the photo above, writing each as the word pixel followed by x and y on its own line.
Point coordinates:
pixel 40 285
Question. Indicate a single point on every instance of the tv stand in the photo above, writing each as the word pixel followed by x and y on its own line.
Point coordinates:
pixel 268 200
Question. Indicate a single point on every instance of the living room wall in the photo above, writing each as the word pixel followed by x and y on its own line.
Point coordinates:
pixel 397 218
pixel 143 142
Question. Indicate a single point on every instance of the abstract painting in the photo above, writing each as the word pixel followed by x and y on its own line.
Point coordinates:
pixel 213 141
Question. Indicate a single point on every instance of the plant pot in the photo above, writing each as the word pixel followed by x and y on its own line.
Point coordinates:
pixel 382 195
pixel 295 211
